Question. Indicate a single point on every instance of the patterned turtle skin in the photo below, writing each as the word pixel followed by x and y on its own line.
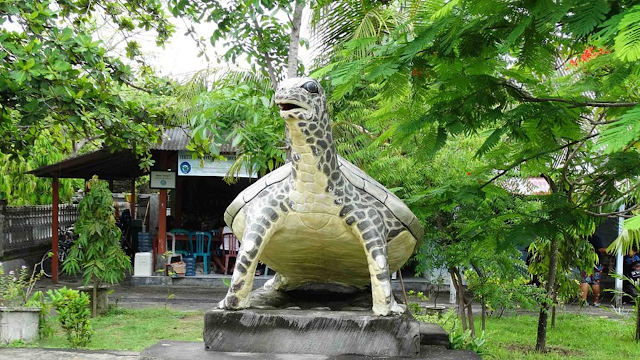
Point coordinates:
pixel 318 218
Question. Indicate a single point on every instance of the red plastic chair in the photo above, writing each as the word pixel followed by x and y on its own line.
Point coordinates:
pixel 232 252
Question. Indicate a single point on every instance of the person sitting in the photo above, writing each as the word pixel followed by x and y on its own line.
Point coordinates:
pixel 223 249
pixel 593 280
pixel 631 269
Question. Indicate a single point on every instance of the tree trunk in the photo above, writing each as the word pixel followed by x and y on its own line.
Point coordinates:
pixel 482 299
pixel 294 43
pixel 457 283
pixel 637 320
pixel 484 315
pixel 544 309
pixel 470 316
pixel 94 301
pixel 554 302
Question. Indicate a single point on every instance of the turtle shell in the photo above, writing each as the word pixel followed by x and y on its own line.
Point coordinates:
pixel 354 175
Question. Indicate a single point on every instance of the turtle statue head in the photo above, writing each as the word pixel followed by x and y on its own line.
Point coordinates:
pixel 301 99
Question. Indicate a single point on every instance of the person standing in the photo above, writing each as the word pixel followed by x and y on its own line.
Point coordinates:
pixel 593 280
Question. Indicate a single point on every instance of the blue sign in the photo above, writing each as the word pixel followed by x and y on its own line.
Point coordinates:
pixel 185 167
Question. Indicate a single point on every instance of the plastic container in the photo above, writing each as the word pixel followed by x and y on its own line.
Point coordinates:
pixel 145 243
pixel 190 262
pixel 143 264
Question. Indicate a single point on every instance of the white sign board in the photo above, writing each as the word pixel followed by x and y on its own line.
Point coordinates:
pixel 187 166
pixel 162 180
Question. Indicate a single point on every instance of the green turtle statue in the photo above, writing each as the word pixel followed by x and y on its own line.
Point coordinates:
pixel 318 218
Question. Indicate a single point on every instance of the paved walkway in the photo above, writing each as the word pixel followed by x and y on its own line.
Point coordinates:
pixel 203 298
pixel 188 298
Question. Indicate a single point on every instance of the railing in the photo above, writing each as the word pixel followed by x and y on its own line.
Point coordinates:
pixel 29 227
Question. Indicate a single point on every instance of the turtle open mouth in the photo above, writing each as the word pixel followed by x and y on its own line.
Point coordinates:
pixel 289 106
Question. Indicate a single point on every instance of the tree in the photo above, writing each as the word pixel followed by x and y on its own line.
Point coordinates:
pixel 234 107
pixel 250 30
pixel 540 79
pixel 468 229
pixel 97 253
pixel 20 188
pixel 54 72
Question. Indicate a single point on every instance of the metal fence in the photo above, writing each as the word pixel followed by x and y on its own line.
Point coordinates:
pixel 29 227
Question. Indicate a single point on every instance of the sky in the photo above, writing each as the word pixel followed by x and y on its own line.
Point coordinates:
pixel 179 57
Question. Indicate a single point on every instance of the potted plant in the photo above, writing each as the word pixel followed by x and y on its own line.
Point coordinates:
pixel 97 253
pixel 19 316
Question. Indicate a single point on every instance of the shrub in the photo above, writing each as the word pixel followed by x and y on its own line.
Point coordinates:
pixel 16 288
pixel 74 315
pixel 44 327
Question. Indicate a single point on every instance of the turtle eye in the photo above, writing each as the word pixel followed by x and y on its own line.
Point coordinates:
pixel 311 87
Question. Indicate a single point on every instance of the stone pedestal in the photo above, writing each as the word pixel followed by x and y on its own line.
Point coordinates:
pixel 311 332
pixel 18 323
pixel 103 297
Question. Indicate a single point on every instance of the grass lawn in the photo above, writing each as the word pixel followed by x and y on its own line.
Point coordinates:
pixel 574 337
pixel 124 329
pixel 509 337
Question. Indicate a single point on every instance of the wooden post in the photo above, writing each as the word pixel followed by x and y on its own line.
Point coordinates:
pixel 162 209
pixel 54 229
pixel 132 201
pixel 177 212
pixel 162 222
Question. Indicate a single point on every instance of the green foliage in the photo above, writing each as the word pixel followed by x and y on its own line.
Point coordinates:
pixel 16 287
pixel 458 338
pixel 414 307
pixel 466 341
pixel 44 327
pixel 502 284
pixel 237 110
pixel 97 253
pixel 636 301
pixel 74 315
pixel 251 30
pixel 134 329
pixel 20 188
pixel 629 239
pixel 627 42
pixel 54 72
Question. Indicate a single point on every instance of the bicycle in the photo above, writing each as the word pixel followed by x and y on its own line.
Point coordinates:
pixel 65 241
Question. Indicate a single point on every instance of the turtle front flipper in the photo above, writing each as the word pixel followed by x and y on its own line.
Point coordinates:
pixel 374 242
pixel 261 223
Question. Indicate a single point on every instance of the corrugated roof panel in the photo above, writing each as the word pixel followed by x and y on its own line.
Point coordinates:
pixel 175 139
pixel 178 138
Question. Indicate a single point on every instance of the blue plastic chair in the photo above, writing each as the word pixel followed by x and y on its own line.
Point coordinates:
pixel 189 250
pixel 202 247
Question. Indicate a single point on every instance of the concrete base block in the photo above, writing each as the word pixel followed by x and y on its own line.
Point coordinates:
pixel 18 323
pixel 433 334
pixel 311 332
